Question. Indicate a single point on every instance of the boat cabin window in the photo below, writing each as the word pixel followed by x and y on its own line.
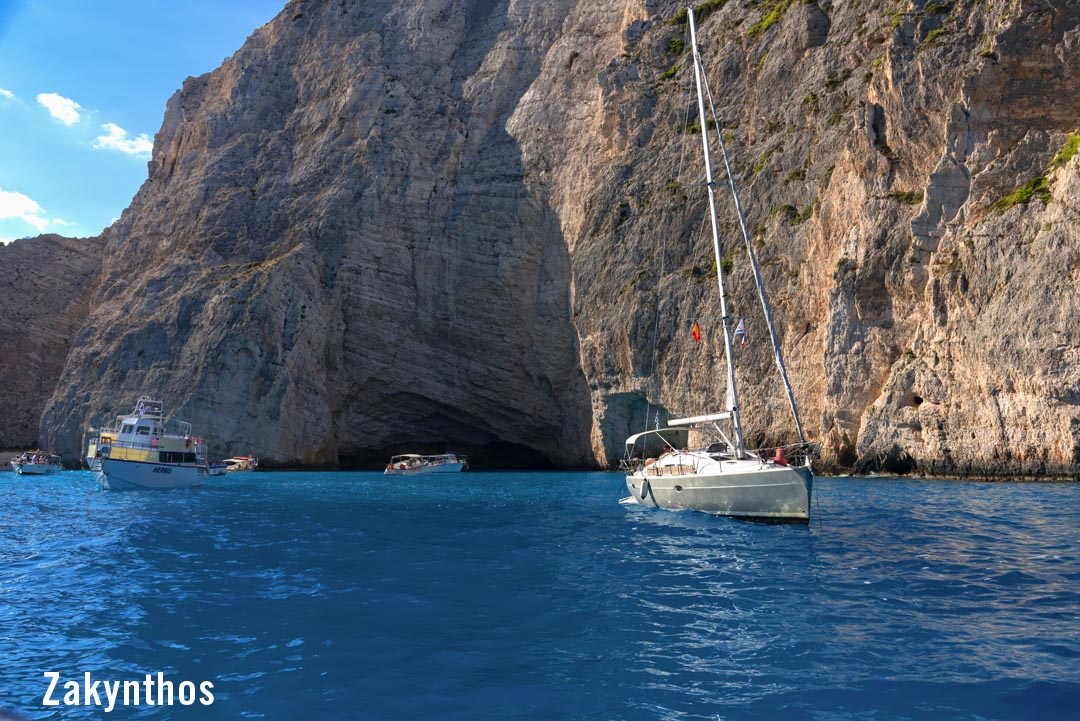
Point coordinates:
pixel 718 451
pixel 127 428
pixel 143 430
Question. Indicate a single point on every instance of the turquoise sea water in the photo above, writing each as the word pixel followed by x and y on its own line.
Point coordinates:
pixel 539 596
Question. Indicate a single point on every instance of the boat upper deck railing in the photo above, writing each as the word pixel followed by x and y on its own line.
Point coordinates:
pixel 38 458
pixel 444 458
pixel 167 426
pixel 148 445
pixel 146 409
pixel 147 406
pixel 796 455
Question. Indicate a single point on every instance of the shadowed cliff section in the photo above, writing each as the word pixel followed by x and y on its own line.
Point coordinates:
pixel 45 290
pixel 335 254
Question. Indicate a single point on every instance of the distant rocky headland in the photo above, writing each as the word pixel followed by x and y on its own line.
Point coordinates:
pixel 387 226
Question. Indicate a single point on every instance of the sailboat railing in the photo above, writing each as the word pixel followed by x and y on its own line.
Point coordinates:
pixel 795 454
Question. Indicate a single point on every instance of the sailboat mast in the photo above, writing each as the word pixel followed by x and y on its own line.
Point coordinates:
pixel 733 398
pixel 778 354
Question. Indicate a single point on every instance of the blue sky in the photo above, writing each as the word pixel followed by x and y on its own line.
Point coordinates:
pixel 83 85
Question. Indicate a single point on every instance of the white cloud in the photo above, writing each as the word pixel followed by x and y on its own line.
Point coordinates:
pixel 117 139
pixel 63 109
pixel 5 93
pixel 61 222
pixel 19 206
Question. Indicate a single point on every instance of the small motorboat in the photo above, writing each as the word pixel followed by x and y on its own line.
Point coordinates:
pixel 36 463
pixel 241 463
pixel 410 464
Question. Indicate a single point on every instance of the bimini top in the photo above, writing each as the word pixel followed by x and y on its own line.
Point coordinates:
pixel 659 432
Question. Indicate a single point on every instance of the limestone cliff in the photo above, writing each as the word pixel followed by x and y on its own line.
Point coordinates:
pixel 335 256
pixel 387 225
pixel 45 287
pixel 924 297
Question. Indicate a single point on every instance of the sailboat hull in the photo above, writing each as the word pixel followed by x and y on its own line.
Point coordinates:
pixel 778 494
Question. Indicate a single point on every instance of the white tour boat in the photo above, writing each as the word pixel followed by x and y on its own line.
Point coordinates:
pixel 36 463
pixel 694 464
pixel 144 449
pixel 410 464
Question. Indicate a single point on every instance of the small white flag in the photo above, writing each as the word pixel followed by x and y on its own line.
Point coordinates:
pixel 740 332
pixel 657 420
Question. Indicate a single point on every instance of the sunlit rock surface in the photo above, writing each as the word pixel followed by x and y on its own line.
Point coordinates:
pixel 384 226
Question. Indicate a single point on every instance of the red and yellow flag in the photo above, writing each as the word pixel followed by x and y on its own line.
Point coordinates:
pixel 696 332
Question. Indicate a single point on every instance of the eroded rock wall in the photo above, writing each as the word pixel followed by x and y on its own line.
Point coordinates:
pixel 925 331
pixel 336 257
pixel 45 289
pixel 385 225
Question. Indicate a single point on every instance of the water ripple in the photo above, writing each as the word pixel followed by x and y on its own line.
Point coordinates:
pixel 531 595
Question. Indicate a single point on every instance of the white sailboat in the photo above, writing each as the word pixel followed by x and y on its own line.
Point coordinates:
pixel 713 471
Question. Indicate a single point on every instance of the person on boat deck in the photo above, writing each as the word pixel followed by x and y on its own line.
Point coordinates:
pixel 154 441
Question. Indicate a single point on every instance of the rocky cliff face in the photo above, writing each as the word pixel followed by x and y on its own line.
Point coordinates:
pixel 335 256
pixel 388 225
pixel 45 289
pixel 924 303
